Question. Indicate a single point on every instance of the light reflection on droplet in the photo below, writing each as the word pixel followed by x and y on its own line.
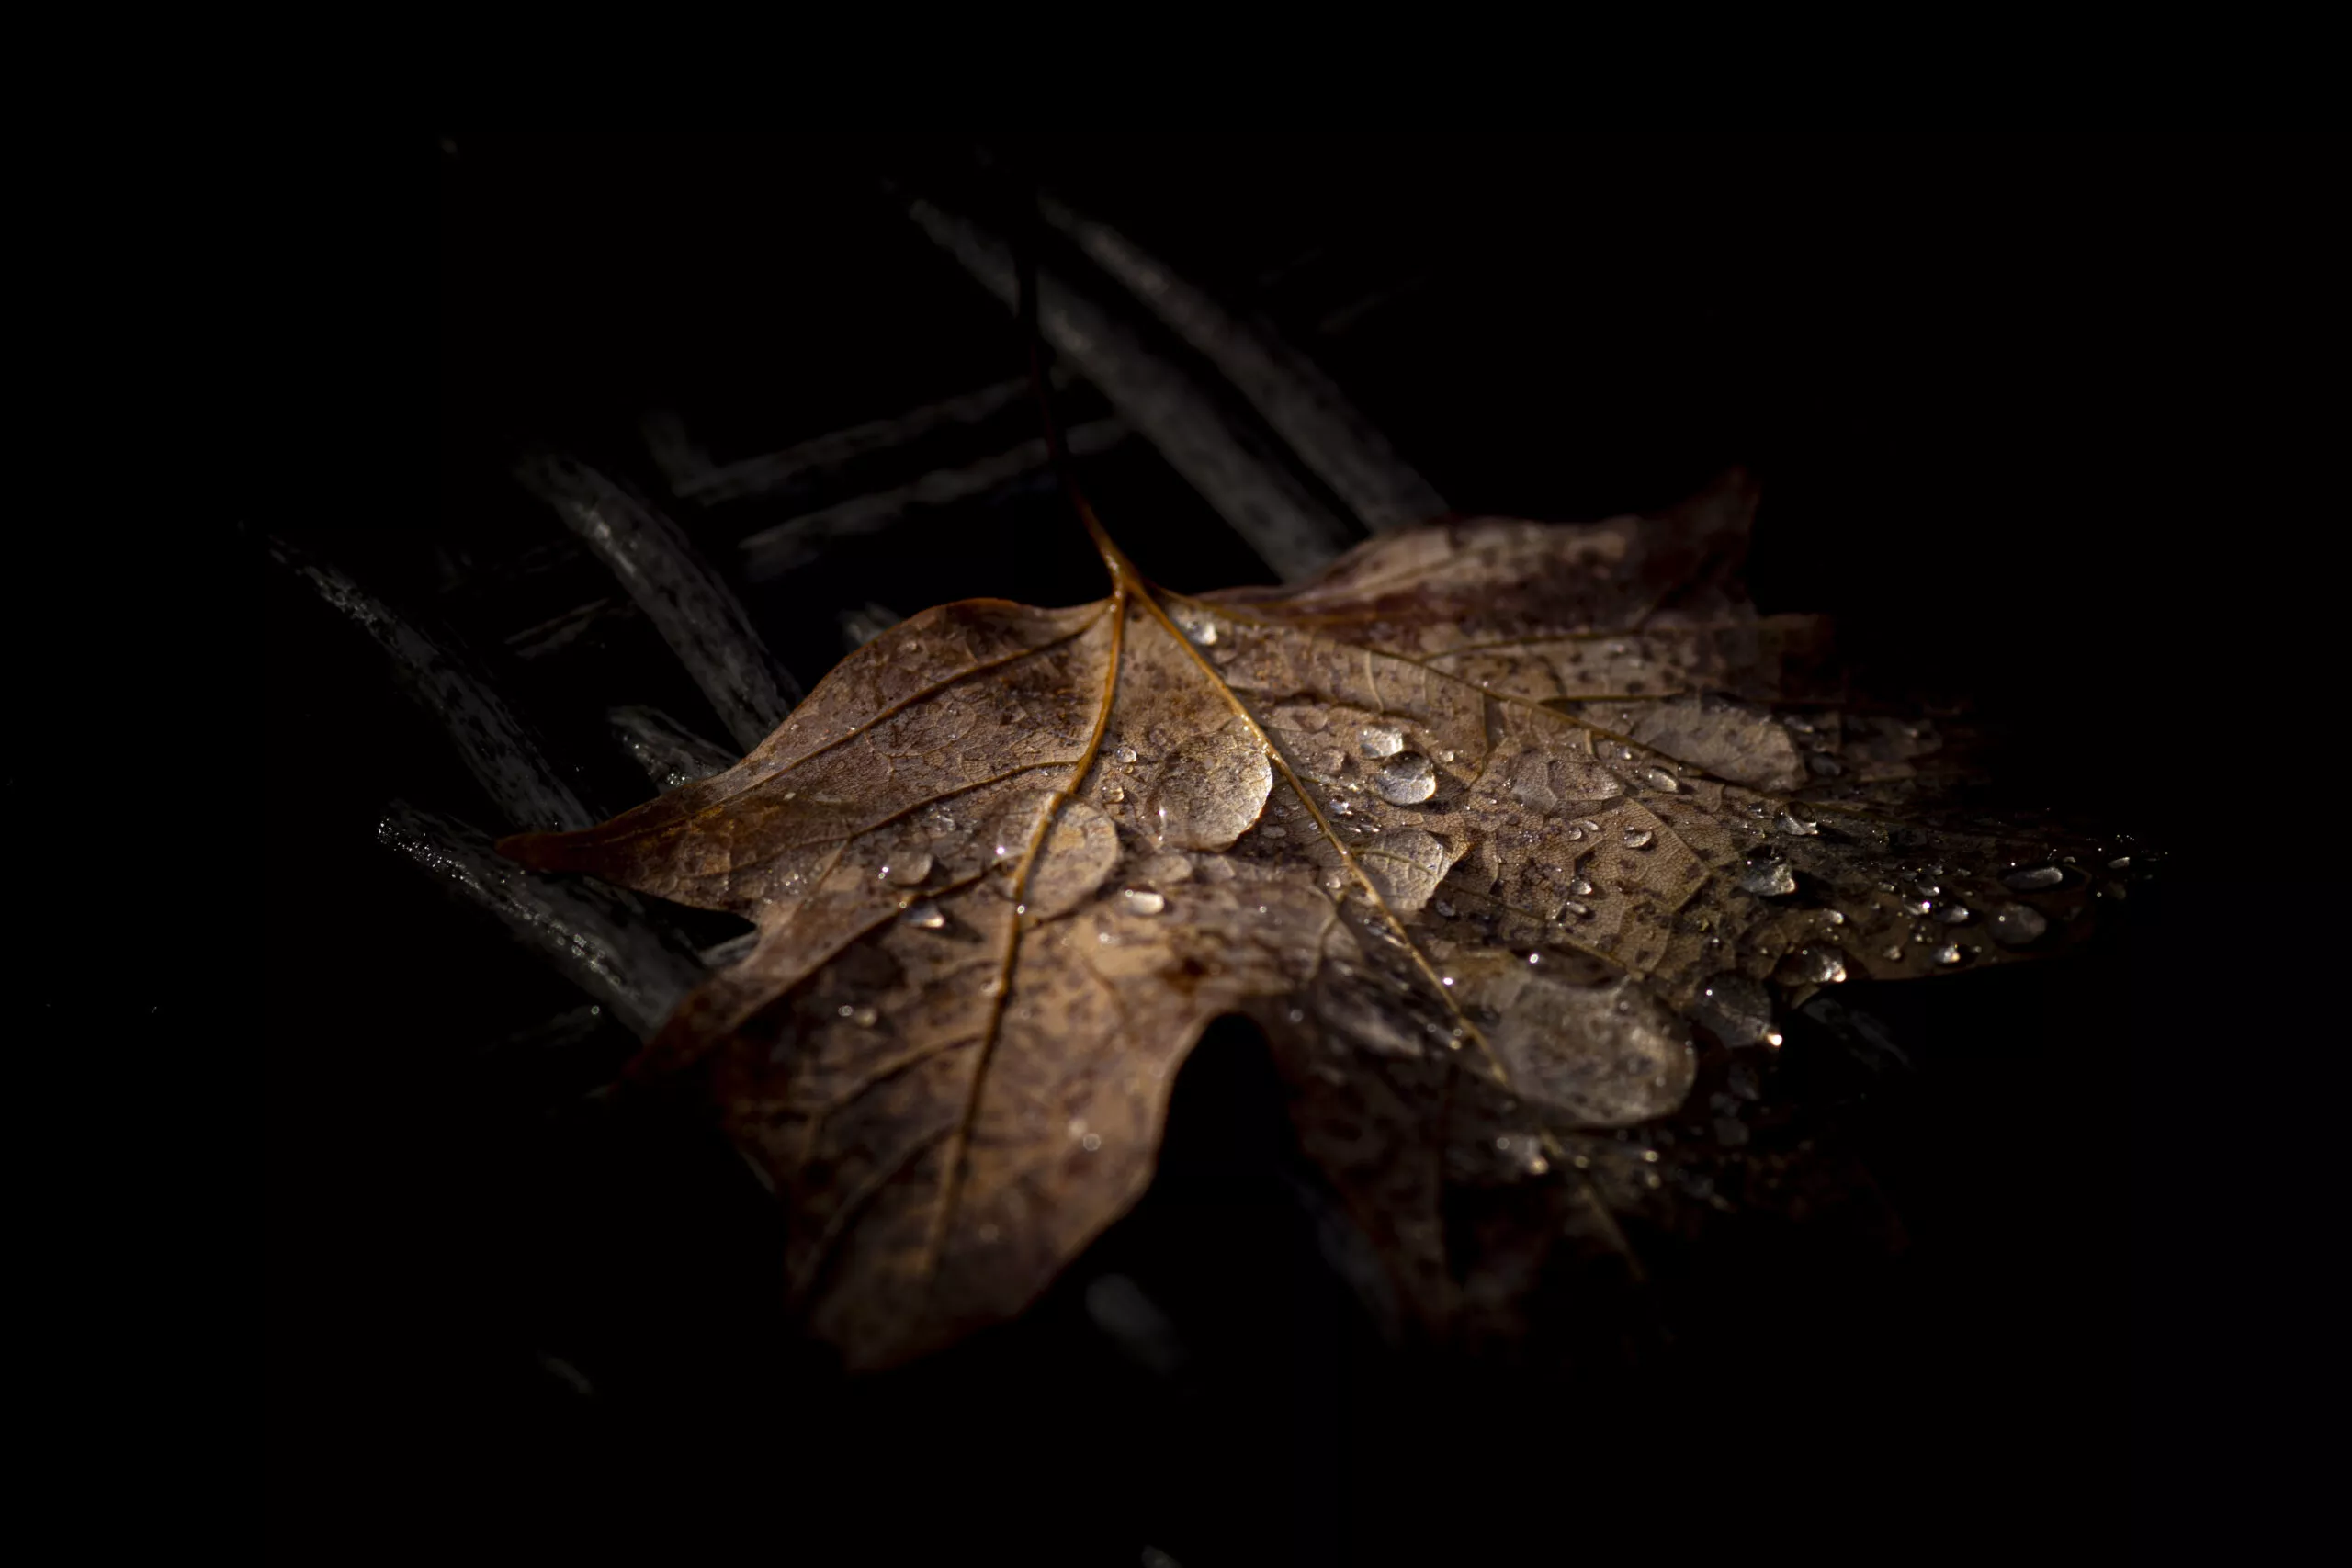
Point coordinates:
pixel 2014 925
pixel 1408 780
pixel 906 871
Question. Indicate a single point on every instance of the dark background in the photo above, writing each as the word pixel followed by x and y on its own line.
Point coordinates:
pixel 2009 397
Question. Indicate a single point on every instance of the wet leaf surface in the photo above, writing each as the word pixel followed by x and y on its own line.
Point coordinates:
pixel 1513 838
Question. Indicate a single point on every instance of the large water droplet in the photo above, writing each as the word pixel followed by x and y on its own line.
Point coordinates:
pixel 1796 826
pixel 907 869
pixel 1142 901
pixel 1212 793
pixel 1768 877
pixel 2014 925
pixel 1079 853
pixel 1658 778
pixel 1407 780
pixel 1581 911
pixel 1639 838
pixel 1406 867
pixel 927 917
pixel 1126 754
pixel 1573 1047
pixel 1737 1008
pixel 1380 740
pixel 1580 887
pixel 1951 953
pixel 2031 879
pixel 1953 914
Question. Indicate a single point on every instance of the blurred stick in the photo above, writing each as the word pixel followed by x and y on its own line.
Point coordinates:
pixel 690 605
pixel 669 753
pixel 595 938
pixel 492 743
pixel 1329 433
pixel 771 552
pixel 1271 508
pixel 694 478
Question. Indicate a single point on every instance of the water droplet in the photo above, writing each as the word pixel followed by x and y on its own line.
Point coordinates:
pixel 927 917
pixel 2032 878
pixel 1659 779
pixel 844 1009
pixel 1796 826
pixel 1951 953
pixel 865 1018
pixel 1580 887
pixel 1535 958
pixel 1126 754
pixel 1142 901
pixel 1953 914
pixel 1445 908
pixel 1213 792
pixel 1445 756
pixel 1581 911
pixel 1813 966
pixel 1768 877
pixel 1639 838
pixel 1537 1164
pixel 906 871
pixel 1445 980
pixel 1893 952
pixel 2014 925
pixel 1196 624
pixel 1408 780
pixel 1380 740
pixel 2121 863
pixel 1113 792
pixel 1735 1008
pixel 1093 1141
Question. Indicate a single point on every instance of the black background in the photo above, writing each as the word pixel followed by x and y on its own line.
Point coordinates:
pixel 2010 399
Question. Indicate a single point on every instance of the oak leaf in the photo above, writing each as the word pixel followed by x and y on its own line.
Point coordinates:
pixel 1487 827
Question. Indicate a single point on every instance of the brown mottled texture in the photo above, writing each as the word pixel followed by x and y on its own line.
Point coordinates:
pixel 1489 828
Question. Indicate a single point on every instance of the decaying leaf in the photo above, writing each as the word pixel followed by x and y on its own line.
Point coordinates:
pixel 1487 828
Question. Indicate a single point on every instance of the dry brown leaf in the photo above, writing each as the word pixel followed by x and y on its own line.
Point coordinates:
pixel 1476 827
